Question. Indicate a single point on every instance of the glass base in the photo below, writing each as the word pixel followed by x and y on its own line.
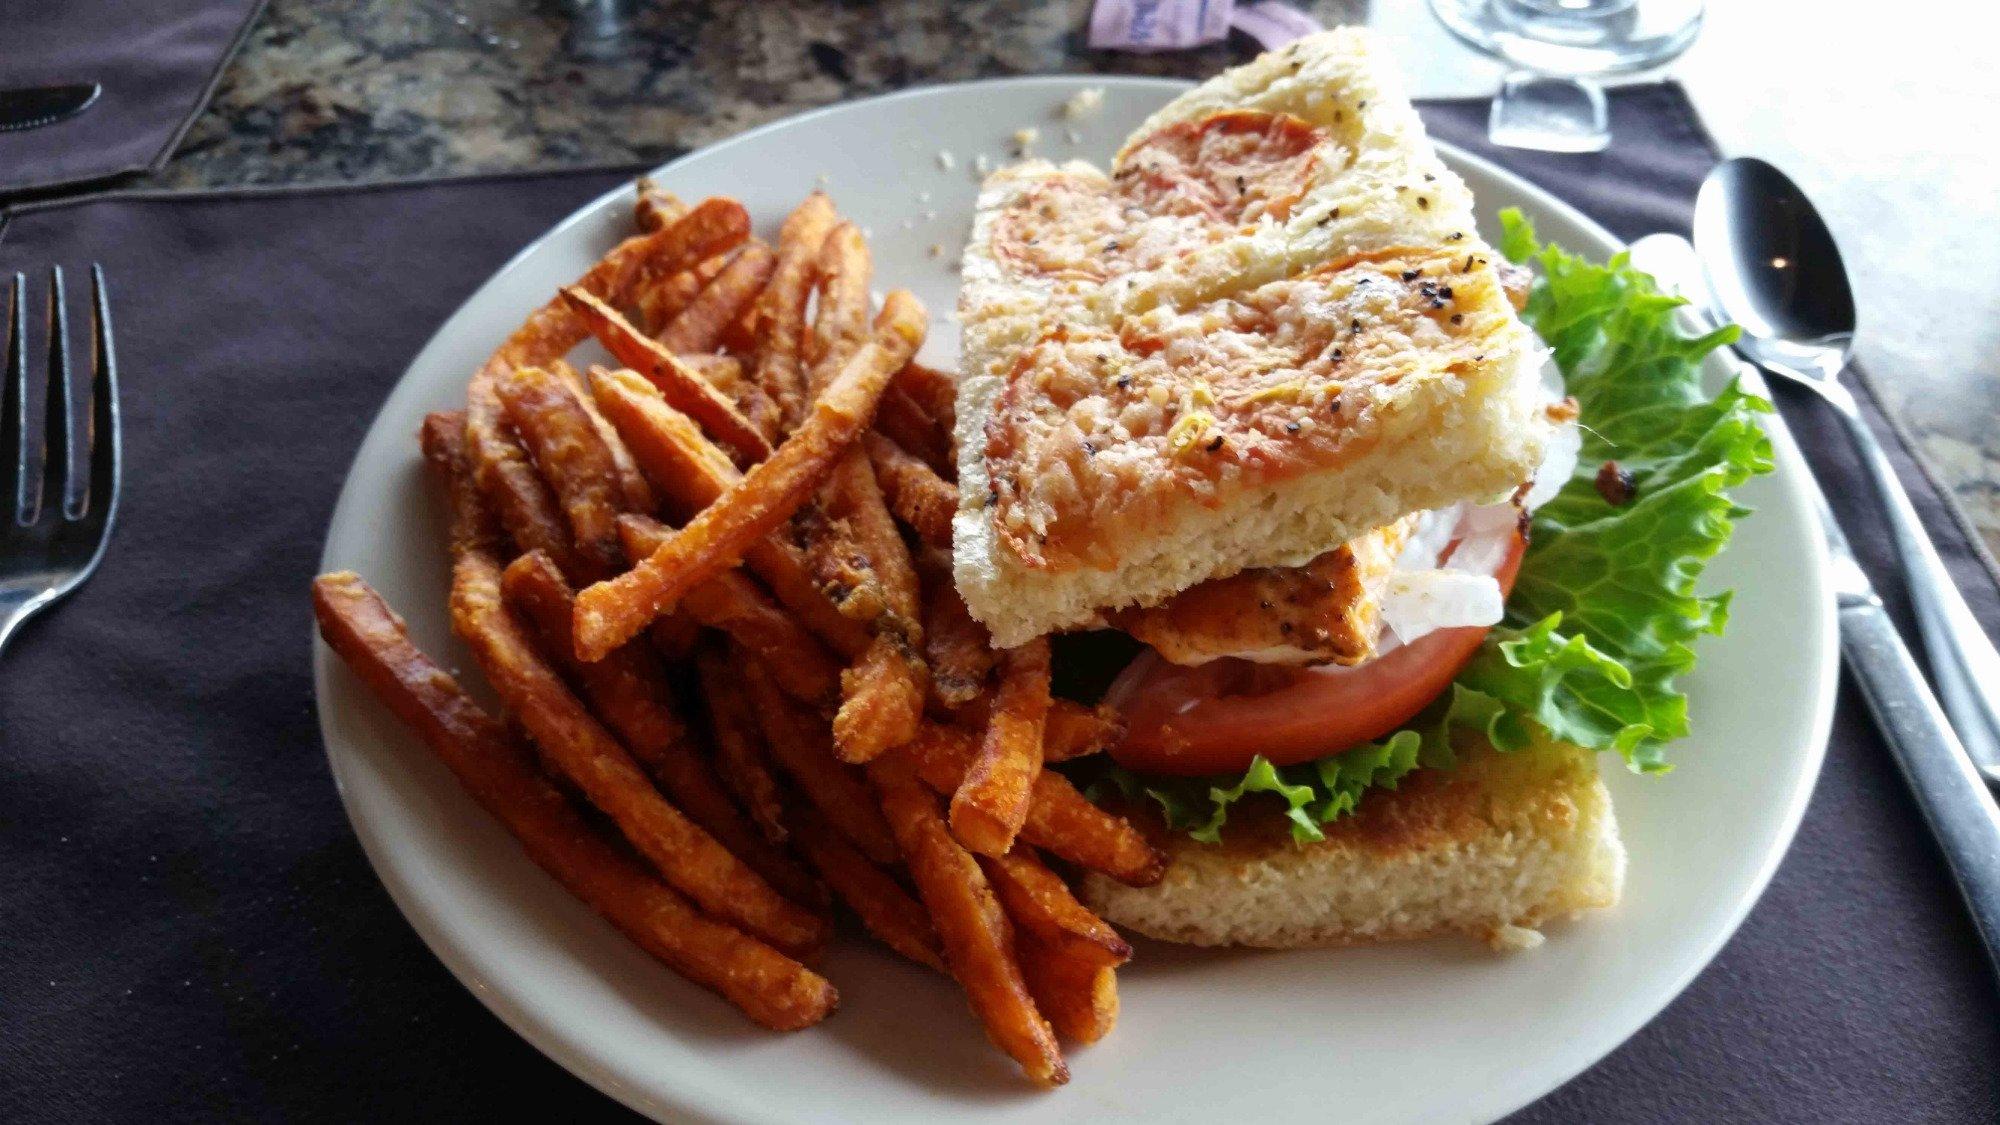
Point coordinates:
pixel 1579 37
pixel 1547 114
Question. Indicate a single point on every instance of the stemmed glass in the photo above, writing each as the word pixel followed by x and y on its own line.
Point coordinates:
pixel 1551 101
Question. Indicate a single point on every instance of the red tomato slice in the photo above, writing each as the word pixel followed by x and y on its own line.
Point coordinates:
pixel 1216 717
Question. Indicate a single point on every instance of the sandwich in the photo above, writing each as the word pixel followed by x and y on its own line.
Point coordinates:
pixel 1259 416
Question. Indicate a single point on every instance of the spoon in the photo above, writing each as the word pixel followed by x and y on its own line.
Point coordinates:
pixel 1952 795
pixel 1773 268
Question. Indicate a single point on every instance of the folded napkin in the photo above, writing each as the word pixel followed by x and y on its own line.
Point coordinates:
pixel 190 929
pixel 158 61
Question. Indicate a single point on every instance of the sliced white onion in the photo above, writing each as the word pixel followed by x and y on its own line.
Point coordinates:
pixel 1416 603
pixel 1433 532
pixel 1485 538
pixel 1559 458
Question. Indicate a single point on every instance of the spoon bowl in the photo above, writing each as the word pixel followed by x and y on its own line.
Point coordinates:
pixel 1774 269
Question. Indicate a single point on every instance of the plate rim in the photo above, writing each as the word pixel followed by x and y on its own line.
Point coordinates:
pixel 559 1046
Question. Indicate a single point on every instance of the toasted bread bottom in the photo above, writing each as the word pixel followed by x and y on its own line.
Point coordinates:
pixel 1492 848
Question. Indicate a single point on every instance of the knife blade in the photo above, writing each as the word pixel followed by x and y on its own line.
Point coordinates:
pixel 31 107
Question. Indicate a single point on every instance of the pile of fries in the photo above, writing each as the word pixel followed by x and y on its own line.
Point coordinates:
pixel 712 590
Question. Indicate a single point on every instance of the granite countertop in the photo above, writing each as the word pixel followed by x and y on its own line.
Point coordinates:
pixel 379 89
pixel 356 90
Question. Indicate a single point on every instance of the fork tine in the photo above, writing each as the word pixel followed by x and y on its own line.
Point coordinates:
pixel 57 481
pixel 106 437
pixel 13 406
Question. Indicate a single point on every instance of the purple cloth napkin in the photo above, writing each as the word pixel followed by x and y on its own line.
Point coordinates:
pixel 157 60
pixel 190 929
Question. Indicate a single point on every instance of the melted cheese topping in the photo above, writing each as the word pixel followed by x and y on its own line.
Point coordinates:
pixel 1187 187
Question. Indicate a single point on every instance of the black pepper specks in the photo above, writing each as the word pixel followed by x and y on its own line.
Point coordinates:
pixel 1215 445
pixel 1423 203
pixel 1412 275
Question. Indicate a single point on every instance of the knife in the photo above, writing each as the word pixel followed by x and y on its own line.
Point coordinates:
pixel 31 107
pixel 1950 792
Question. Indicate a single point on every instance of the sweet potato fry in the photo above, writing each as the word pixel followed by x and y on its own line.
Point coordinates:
pixel 884 907
pixel 1079 999
pixel 1061 821
pixel 516 493
pixel 934 390
pixel 700 325
pixel 656 305
pixel 802 747
pixel 551 331
pixel 690 474
pixel 472 525
pixel 656 206
pixel 631 693
pixel 687 469
pixel 918 496
pixel 610 612
pixel 1073 730
pixel 638 494
pixel 572 741
pixel 560 437
pixel 682 386
pixel 882 701
pixel 779 321
pixel 978 940
pixel 769 987
pixel 840 326
pixel 857 500
pixel 1041 904
pixel 959 649
pixel 739 756
pixel 723 372
pixel 733 603
pixel 883 693
pixel 902 421
pixel 991 803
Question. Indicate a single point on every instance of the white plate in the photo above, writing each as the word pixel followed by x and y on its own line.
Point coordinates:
pixel 1436 1031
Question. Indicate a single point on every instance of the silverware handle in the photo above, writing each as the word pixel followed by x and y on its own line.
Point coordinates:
pixel 1954 800
pixel 1963 661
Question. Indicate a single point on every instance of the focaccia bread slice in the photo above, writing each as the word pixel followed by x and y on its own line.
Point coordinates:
pixel 1112 469
pixel 1492 848
pixel 1303 157
pixel 1176 371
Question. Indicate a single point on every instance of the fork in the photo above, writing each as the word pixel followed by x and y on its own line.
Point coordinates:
pixel 51 539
